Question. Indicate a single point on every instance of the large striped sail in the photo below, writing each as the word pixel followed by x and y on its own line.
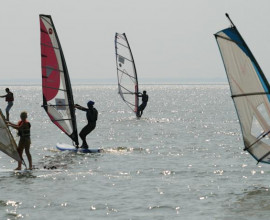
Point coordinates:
pixel 250 92
pixel 7 143
pixel 57 92
pixel 126 72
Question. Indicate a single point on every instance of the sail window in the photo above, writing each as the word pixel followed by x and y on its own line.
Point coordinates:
pixel 256 128
pixel 121 59
pixel 60 104
pixel 265 114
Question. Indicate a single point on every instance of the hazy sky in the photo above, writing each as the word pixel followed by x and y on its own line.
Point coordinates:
pixel 170 39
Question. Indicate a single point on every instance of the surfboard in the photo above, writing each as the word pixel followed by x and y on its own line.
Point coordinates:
pixel 67 147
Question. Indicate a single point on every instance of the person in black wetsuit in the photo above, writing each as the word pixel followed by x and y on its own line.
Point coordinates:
pixel 92 116
pixel 144 103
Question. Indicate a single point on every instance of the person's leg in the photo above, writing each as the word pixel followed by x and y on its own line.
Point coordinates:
pixel 29 157
pixel 138 113
pixel 20 151
pixel 10 104
pixel 7 115
pixel 84 132
pixel 83 135
pixel 142 107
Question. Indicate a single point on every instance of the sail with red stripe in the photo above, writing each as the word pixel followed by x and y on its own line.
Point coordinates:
pixel 56 87
pixel 126 72
pixel 7 142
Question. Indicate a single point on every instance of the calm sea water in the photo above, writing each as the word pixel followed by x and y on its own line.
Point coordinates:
pixel 182 160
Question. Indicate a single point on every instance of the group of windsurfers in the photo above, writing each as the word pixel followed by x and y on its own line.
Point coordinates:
pixel 23 126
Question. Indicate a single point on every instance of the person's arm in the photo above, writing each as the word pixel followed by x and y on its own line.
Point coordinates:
pixel 80 107
pixel 3 96
pixel 14 125
pixel 139 94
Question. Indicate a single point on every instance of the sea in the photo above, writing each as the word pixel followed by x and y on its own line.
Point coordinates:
pixel 183 159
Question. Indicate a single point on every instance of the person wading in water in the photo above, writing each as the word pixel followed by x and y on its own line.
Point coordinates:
pixel 23 128
pixel 92 116
pixel 9 99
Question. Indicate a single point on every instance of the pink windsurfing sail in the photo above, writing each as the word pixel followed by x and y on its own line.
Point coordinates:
pixel 56 87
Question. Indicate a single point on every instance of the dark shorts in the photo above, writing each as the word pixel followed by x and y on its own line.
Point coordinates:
pixel 24 143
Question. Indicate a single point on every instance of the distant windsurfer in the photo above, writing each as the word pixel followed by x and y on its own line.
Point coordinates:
pixel 9 99
pixel 92 116
pixel 144 103
pixel 23 128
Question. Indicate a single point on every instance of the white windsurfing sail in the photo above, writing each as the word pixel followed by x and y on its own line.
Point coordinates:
pixel 250 92
pixel 126 72
pixel 57 92
pixel 7 142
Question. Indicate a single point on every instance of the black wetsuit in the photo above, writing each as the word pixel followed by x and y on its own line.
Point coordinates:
pixel 91 115
pixel 143 105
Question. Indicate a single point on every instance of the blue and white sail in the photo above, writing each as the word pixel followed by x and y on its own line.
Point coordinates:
pixel 250 92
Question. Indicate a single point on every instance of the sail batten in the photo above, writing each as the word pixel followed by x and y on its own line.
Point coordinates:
pixel 250 92
pixel 47 87
pixel 126 72
pixel 47 45
pixel 56 87
pixel 46 67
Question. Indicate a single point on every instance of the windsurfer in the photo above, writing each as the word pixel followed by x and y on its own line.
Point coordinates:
pixel 23 128
pixel 92 116
pixel 9 99
pixel 144 103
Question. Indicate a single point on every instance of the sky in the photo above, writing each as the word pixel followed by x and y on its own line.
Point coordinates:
pixel 171 40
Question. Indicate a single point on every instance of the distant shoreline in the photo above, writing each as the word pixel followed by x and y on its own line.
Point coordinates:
pixel 37 82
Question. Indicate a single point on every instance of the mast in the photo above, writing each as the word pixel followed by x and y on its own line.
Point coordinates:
pixel 136 76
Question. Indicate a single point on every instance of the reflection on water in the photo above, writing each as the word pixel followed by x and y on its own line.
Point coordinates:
pixel 183 159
